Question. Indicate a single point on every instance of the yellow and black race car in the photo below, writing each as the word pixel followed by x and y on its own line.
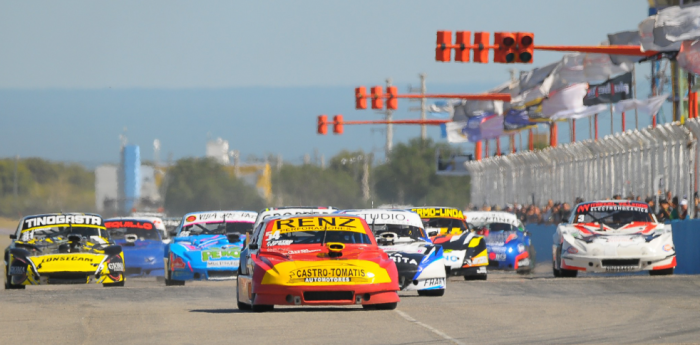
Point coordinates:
pixel 464 251
pixel 62 248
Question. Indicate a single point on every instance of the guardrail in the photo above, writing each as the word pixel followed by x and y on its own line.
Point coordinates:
pixel 637 162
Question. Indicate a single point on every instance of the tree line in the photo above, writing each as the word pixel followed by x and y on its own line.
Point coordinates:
pixel 34 185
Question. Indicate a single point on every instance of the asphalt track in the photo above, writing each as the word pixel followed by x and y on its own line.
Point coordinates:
pixel 506 309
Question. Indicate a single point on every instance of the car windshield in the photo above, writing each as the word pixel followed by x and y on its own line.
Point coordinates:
pixel 316 230
pixel 613 215
pixel 444 223
pixel 493 227
pixel 60 233
pixel 142 234
pixel 412 232
pixel 219 228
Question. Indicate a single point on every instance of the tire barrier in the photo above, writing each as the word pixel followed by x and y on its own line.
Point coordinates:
pixel 686 238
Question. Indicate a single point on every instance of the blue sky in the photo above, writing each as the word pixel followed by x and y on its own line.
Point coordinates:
pixel 73 74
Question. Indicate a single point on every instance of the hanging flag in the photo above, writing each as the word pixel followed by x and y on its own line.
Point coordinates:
pixel 565 99
pixel 580 113
pixel 675 24
pixel 516 119
pixel 611 91
pixel 454 133
pixel 484 126
pixel 650 106
pixel 689 56
pixel 625 38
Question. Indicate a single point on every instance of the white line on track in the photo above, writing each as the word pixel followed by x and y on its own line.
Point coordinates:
pixel 428 327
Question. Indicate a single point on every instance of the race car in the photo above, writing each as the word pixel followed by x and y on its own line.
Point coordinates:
pixel 141 242
pixel 464 251
pixel 207 246
pixel 400 234
pixel 316 260
pixel 508 244
pixel 62 248
pixel 289 211
pixel 613 236
pixel 159 220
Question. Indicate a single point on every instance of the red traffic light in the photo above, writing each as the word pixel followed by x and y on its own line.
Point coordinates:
pixel 377 100
pixel 526 47
pixel 442 52
pixel 361 97
pixel 338 124
pixel 481 50
pixel 392 101
pixel 322 122
pixel 463 42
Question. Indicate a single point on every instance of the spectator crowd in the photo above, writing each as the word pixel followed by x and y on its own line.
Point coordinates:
pixel 669 208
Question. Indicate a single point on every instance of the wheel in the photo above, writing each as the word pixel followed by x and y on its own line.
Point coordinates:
pixel 241 306
pixel 555 271
pixel 260 308
pixel 568 273
pixel 384 306
pixel 10 286
pixel 666 272
pixel 476 277
pixel 121 283
pixel 431 293
pixel 170 282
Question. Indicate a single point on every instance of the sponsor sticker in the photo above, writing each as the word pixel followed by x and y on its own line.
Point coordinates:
pixel 116 266
pixel 18 270
pixel 129 224
pixel 524 262
pixel 439 213
pixel 223 263
pixel 220 254
pixel 400 259
pixel 329 275
pixel 61 219
pixel 668 248
pixel 319 224
pixel 434 282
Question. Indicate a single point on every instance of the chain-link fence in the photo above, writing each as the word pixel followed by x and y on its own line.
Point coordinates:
pixel 637 163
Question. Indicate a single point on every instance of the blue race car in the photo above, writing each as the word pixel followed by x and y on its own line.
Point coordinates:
pixel 141 243
pixel 508 244
pixel 207 246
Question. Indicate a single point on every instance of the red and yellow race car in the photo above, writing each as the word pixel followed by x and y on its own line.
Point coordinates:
pixel 315 260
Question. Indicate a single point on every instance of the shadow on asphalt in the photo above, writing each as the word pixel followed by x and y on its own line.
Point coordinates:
pixel 277 310
pixel 218 311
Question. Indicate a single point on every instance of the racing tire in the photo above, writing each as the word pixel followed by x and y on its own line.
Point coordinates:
pixel 261 308
pixel 383 306
pixel 241 305
pixel 170 282
pixel 10 286
pixel 476 277
pixel 431 293
pixel 555 271
pixel 530 268
pixel 568 273
pixel 117 284
pixel 666 272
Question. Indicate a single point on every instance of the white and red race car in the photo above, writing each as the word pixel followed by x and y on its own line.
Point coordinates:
pixel 613 236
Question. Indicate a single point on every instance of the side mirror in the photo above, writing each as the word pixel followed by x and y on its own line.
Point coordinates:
pixel 253 246
pixel 13 237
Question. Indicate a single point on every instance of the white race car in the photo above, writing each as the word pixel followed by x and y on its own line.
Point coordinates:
pixel 613 236
pixel 400 234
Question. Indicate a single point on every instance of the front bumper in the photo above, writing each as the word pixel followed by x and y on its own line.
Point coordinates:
pixel 226 273
pixel 597 264
pixel 366 294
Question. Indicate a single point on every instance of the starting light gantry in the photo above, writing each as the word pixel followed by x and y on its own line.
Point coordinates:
pixel 513 47
pixel 338 123
pixel 377 96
